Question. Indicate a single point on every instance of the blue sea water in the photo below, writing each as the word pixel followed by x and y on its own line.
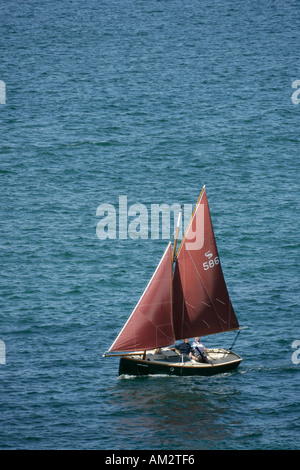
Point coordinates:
pixel 149 100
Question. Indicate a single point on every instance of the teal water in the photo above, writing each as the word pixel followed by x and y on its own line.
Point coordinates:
pixel 151 100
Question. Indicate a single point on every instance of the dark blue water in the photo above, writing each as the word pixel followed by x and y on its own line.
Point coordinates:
pixel 149 100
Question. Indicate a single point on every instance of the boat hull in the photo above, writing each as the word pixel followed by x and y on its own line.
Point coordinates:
pixel 175 364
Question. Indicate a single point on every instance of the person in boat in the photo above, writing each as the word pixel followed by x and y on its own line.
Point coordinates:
pixel 199 351
pixel 186 348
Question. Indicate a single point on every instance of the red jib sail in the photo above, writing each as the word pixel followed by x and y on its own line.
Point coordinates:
pixel 150 324
pixel 201 303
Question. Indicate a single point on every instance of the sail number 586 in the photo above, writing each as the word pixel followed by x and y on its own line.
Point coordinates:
pixel 211 263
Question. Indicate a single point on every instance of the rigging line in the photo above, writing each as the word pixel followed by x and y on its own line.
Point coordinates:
pixel 234 340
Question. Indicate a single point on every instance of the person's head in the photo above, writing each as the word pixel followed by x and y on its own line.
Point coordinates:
pixel 186 340
pixel 197 338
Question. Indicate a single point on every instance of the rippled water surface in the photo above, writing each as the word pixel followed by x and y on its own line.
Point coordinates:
pixel 149 100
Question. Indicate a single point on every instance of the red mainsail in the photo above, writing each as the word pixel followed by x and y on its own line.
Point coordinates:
pixel 150 324
pixel 193 302
pixel 201 304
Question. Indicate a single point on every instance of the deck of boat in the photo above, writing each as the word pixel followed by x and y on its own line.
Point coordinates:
pixel 170 361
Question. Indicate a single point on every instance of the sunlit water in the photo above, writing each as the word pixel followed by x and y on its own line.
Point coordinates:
pixel 149 100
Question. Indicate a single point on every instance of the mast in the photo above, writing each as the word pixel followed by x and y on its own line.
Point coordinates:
pixel 176 234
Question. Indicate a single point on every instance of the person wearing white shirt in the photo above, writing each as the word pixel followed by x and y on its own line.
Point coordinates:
pixel 199 350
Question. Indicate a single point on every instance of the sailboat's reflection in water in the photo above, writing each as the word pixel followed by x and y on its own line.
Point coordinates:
pixel 155 413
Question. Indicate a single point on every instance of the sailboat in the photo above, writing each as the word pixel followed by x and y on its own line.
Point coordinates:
pixel 186 297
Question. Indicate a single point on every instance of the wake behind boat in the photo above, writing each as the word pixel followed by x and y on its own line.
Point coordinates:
pixel 186 297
